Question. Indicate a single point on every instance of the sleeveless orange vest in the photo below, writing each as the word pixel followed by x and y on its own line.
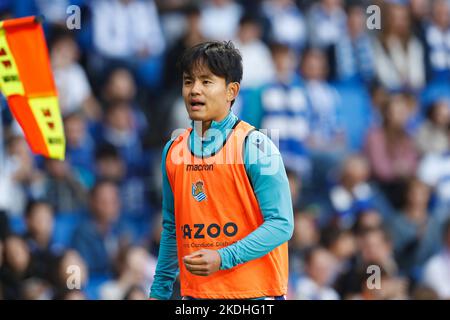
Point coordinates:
pixel 215 206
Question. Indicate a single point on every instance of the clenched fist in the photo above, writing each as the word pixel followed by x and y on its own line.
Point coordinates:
pixel 203 262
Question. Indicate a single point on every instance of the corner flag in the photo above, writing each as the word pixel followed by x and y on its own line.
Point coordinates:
pixel 27 82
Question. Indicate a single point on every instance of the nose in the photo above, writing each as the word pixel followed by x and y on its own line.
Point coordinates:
pixel 196 88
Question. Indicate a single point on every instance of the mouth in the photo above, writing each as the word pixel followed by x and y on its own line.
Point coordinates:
pixel 196 105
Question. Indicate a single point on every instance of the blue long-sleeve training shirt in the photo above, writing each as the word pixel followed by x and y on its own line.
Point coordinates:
pixel 267 175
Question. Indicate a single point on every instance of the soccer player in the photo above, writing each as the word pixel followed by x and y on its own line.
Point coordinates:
pixel 227 211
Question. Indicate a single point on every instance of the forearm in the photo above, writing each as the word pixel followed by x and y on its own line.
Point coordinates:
pixel 167 267
pixel 272 191
pixel 264 239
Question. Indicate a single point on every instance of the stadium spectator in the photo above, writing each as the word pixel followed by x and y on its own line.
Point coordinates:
pixel 374 248
pixel 39 218
pixel 342 245
pixel 68 264
pixel 436 271
pixel 133 36
pixel 353 52
pixel 120 129
pixel 320 266
pixel 388 288
pixel 354 193
pixel 135 268
pixel 74 90
pixel 285 109
pixel 254 53
pixel 432 136
pixel 98 238
pixel 325 130
pixel 436 37
pixel 191 36
pixel 80 147
pixel 220 19
pixel 415 233
pixel 399 55
pixel 20 177
pixel 287 23
pixel 63 190
pixel 16 267
pixel 366 220
pixel 110 166
pixel 390 149
pixel 306 235
pixel 326 23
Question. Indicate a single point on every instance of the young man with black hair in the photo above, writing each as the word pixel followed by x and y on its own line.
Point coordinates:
pixel 227 212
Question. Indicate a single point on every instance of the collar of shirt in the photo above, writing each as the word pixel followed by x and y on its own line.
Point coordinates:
pixel 213 139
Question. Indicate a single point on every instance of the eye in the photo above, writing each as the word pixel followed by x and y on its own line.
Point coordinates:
pixel 187 81
pixel 206 82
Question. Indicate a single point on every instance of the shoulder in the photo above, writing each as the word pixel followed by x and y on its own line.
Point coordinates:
pixel 257 143
pixel 177 137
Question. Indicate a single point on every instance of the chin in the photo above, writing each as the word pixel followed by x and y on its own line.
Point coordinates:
pixel 195 116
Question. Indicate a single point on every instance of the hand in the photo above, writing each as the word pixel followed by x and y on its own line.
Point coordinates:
pixel 203 262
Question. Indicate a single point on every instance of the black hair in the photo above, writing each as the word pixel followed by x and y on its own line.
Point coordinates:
pixel 32 204
pixel 221 58
pixel 191 9
pixel 353 4
pixel 58 34
pixel 250 18
pixel 106 150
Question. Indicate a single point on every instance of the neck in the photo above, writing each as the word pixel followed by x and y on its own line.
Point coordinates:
pixel 202 126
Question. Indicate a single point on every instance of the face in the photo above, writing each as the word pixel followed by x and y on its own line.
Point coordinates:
pixel 111 168
pixel 120 118
pixel 374 247
pixel 75 129
pixel 345 246
pixel 356 170
pixel 121 86
pixel 441 15
pixel 64 53
pixel 105 203
pixel 356 20
pixel 57 168
pixel 399 20
pixel 284 61
pixel 40 223
pixel 370 219
pixel 441 114
pixel 398 111
pixel 305 231
pixel 249 32
pixel 314 66
pixel 207 97
pixel 321 267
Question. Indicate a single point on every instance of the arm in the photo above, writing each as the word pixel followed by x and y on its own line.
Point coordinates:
pixel 167 267
pixel 268 177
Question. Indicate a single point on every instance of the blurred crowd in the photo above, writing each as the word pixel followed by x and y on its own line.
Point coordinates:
pixel 361 116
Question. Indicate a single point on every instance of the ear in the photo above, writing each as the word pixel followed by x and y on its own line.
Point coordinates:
pixel 233 91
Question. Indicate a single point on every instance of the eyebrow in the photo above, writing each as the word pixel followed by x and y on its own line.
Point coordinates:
pixel 202 76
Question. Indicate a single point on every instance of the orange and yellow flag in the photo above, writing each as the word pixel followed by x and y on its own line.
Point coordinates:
pixel 26 81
